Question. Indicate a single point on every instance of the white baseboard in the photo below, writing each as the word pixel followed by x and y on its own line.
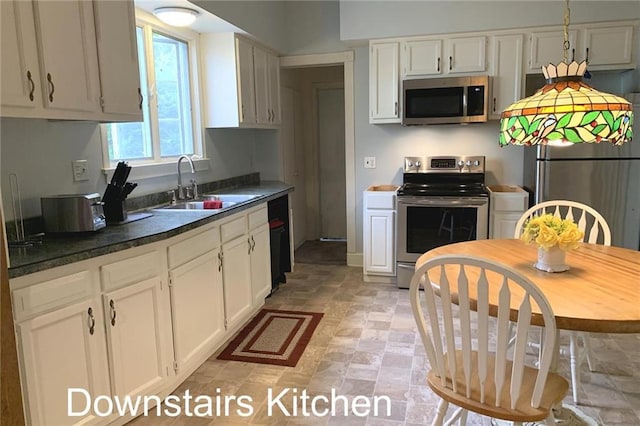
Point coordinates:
pixel 355 259
pixel 379 279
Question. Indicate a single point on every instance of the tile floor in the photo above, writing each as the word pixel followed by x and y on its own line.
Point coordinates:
pixel 367 344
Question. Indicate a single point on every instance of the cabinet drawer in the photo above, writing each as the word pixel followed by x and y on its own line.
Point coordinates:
pixel 233 229
pixel 193 247
pixel 129 271
pixel 257 218
pixel 517 202
pixel 52 294
pixel 380 200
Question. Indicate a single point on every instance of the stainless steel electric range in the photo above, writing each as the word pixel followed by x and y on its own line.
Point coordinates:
pixel 442 200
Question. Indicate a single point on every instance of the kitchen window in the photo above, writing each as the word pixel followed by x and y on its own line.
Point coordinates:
pixel 169 84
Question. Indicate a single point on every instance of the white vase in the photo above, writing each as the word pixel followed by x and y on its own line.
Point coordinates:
pixel 552 260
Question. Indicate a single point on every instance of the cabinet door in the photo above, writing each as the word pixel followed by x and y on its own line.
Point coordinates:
pixel 137 338
pixel 507 73
pixel 273 63
pixel 118 58
pixel 466 54
pixel 548 47
pixel 20 74
pixel 504 225
pixel 197 309
pixel 260 66
pixel 61 350
pixel 68 58
pixel 384 83
pixel 244 59
pixel 608 46
pixel 422 57
pixel 379 242
pixel 260 264
pixel 236 278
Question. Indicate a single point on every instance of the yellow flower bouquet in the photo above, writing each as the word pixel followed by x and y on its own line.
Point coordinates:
pixel 548 231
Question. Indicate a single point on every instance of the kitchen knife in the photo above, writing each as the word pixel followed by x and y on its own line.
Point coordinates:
pixel 127 189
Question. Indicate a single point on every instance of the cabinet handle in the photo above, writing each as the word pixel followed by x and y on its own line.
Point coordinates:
pixel 573 54
pixel 112 305
pixel 52 88
pixel 253 244
pixel 219 261
pixel 141 98
pixel 450 63
pixel 249 242
pixel 438 63
pixel 494 104
pixel 32 85
pixel 92 325
pixel 396 107
pixel 242 107
pixel 587 59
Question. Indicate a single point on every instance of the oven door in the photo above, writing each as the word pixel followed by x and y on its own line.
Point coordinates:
pixel 428 222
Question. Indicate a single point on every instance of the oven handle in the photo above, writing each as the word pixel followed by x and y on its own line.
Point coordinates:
pixel 462 202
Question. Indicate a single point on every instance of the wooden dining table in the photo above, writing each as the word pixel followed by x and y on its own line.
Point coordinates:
pixel 600 292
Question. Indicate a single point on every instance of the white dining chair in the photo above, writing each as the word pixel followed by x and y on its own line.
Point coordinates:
pixel 466 370
pixel 596 231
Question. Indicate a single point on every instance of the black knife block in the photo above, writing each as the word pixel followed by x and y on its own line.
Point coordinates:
pixel 115 208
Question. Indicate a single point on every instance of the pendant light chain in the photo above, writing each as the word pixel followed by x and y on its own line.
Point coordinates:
pixel 566 45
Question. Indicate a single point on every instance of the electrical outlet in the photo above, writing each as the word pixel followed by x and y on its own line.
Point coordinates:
pixel 369 162
pixel 80 170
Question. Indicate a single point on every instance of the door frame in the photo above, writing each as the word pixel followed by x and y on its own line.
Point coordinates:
pixel 346 59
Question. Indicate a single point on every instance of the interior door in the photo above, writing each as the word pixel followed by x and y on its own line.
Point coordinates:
pixel 293 155
pixel 331 164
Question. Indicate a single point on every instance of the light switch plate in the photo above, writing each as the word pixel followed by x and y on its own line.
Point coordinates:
pixel 80 170
pixel 369 162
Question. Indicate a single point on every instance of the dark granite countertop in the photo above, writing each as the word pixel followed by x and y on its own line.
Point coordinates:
pixel 61 250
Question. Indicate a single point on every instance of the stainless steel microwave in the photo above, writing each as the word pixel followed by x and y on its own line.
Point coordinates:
pixel 445 100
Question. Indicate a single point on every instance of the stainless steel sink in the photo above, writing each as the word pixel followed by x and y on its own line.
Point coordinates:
pixel 195 205
pixel 233 198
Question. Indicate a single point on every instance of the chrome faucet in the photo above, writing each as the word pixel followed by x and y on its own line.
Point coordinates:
pixel 194 185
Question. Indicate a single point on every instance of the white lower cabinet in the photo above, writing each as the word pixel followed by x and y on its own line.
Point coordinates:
pixel 197 309
pixel 506 206
pixel 136 322
pixel 260 264
pixel 62 350
pixel 236 276
pixel 136 337
pixel 379 232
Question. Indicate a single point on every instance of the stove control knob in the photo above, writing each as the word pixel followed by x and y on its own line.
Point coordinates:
pixel 468 163
pixel 461 164
pixel 418 164
pixel 409 164
pixel 476 163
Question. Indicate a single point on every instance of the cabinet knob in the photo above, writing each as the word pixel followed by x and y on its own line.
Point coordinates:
pixel 438 63
pixel 494 104
pixel 396 108
pixel 32 85
pixel 450 63
pixel 587 58
pixel 52 87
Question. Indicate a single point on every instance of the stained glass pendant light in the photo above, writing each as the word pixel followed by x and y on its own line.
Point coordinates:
pixel 567 110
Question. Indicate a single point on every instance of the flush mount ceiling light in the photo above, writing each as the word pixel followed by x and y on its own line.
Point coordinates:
pixel 176 16
pixel 567 110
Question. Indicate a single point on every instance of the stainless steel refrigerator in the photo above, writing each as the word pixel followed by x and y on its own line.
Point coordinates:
pixel 603 176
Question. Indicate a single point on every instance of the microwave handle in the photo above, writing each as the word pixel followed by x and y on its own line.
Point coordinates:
pixel 464 101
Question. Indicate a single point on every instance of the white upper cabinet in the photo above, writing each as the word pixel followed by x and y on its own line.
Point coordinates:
pixel 21 88
pixel 548 48
pixel 68 56
pixel 608 45
pixel 50 60
pixel 239 80
pixel 507 73
pixel 384 83
pixel 422 57
pixel 57 76
pixel 466 54
pixel 118 59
